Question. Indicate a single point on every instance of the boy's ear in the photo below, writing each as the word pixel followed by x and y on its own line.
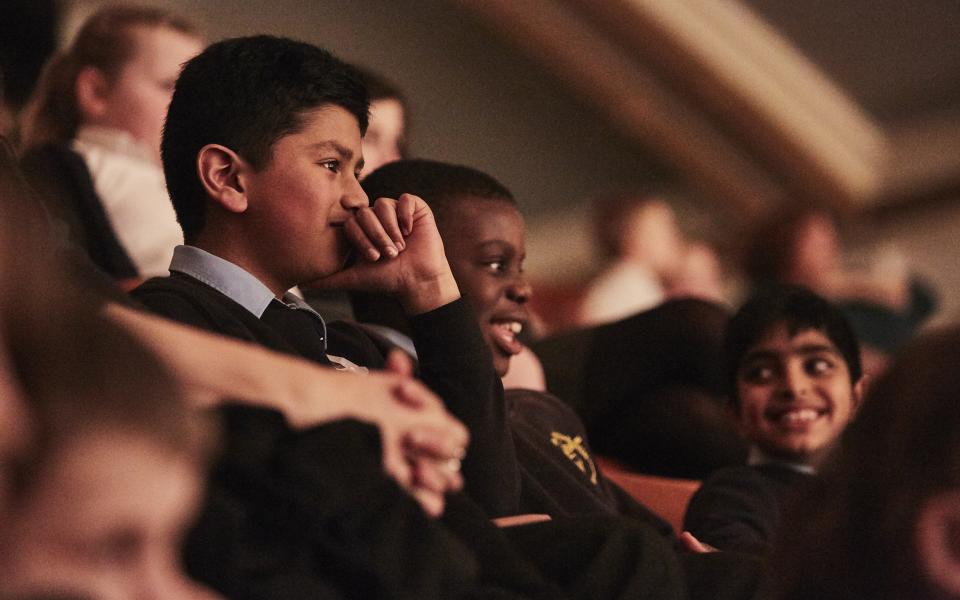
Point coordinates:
pixel 91 89
pixel 221 172
pixel 937 538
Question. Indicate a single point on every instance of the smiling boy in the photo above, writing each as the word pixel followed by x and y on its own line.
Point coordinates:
pixel 484 240
pixel 795 382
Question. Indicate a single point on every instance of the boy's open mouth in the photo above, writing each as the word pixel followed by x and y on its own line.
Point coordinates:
pixel 505 332
pixel 795 416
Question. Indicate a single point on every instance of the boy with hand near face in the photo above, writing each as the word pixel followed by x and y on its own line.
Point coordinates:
pixel 261 153
pixel 794 382
pixel 483 233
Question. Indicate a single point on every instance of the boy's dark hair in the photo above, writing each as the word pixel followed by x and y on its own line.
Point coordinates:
pixel 246 93
pixel 438 183
pixel 799 309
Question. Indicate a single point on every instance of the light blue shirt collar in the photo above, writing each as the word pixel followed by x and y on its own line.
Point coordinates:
pixel 243 288
pixel 224 276
pixel 758 457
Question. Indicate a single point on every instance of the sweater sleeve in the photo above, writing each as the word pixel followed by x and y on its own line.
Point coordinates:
pixel 456 364
pixel 734 510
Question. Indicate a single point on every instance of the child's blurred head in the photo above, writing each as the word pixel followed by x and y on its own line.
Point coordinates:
pixel 385 138
pixel 119 73
pixel 640 227
pixel 793 372
pixel 113 474
pixel 100 460
pixel 799 246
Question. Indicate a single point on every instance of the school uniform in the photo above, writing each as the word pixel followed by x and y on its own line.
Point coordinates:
pixel 351 532
pixel 741 508
pixel 211 293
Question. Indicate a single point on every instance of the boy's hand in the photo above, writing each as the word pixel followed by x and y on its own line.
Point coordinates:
pixel 400 253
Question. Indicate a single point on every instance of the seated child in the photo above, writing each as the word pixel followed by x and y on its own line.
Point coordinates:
pixel 275 127
pixel 483 234
pixel 91 133
pixel 881 519
pixel 794 380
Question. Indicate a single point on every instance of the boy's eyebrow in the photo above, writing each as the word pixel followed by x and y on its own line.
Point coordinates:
pixel 815 348
pixel 343 151
pixel 767 354
pixel 494 244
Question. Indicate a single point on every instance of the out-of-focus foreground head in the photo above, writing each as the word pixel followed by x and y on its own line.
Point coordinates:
pixel 101 462
pixel 385 140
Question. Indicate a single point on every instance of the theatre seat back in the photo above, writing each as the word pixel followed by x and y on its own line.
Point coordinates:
pixel 665 496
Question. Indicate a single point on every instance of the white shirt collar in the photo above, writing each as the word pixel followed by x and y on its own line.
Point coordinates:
pixel 758 457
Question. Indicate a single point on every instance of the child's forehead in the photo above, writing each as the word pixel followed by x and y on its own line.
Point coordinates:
pixel 785 332
pixel 469 222
pixel 480 211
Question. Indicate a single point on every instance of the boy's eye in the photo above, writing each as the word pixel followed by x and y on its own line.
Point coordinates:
pixel 757 374
pixel 495 266
pixel 331 165
pixel 818 366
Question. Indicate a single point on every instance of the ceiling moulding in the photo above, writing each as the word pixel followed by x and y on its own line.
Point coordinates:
pixel 738 65
pixel 589 62
pixel 924 158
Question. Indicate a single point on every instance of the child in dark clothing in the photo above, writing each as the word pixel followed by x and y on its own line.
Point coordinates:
pixel 794 382
pixel 483 233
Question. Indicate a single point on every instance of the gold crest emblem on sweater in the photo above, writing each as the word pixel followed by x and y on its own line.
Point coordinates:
pixel 572 448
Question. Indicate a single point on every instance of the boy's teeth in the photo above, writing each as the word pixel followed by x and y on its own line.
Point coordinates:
pixel 515 326
pixel 800 416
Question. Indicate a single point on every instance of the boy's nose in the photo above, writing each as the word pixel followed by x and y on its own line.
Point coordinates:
pixel 520 290
pixel 795 383
pixel 354 197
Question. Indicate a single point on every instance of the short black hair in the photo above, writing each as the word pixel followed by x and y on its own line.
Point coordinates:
pixel 246 93
pixel 438 183
pixel 798 309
